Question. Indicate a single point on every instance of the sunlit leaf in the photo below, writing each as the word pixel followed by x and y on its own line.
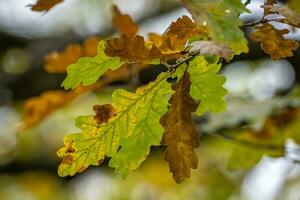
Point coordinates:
pixel 126 137
pixel 89 69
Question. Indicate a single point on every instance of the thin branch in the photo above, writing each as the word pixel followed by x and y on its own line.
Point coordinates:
pixel 180 62
pixel 280 20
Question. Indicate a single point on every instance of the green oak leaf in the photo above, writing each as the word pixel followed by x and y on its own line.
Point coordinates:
pixel 222 21
pixel 89 69
pixel 206 85
pixel 126 137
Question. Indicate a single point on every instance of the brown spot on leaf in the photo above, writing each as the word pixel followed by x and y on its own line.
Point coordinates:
pixel 104 112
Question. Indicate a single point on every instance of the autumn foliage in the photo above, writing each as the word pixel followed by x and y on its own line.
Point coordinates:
pixel 161 112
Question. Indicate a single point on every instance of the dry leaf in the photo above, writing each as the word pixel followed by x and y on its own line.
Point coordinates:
pixel 44 5
pixel 58 62
pixel 124 23
pixel 180 135
pixel 132 49
pixel 273 42
pixel 292 17
pixel 212 48
pixel 176 36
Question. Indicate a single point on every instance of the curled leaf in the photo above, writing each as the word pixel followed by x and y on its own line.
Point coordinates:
pixel 273 42
pixel 177 34
pixel 180 135
pixel 212 48
pixel 291 16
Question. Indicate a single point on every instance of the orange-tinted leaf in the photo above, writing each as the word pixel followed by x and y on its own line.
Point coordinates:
pixel 104 112
pixel 124 23
pixel 132 49
pixel 180 135
pixel 44 5
pixel 273 42
pixel 37 108
pixel 58 62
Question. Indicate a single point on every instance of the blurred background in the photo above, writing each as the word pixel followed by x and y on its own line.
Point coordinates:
pixel 28 161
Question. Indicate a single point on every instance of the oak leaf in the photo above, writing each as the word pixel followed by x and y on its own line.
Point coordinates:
pixel 58 62
pixel 207 85
pixel 89 69
pixel 124 23
pixel 174 39
pixel 273 42
pixel 180 135
pixel 126 137
pixel 132 49
pixel 291 16
pixel 212 48
pixel 44 5
pixel 221 20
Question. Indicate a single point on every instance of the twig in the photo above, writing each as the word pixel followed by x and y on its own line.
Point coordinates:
pixel 172 67
pixel 280 20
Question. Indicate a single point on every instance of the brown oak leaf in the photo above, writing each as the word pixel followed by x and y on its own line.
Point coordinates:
pixel 58 62
pixel 44 5
pixel 180 135
pixel 124 23
pixel 175 37
pixel 273 42
pixel 104 113
pixel 132 49
pixel 291 16
pixel 212 48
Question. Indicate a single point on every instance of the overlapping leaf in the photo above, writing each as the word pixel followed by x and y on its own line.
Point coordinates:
pixel 89 69
pixel 273 42
pixel 221 19
pixel 132 49
pixel 176 36
pixel 126 137
pixel 180 135
pixel 291 16
pixel 206 85
pixel 44 5
pixel 58 62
